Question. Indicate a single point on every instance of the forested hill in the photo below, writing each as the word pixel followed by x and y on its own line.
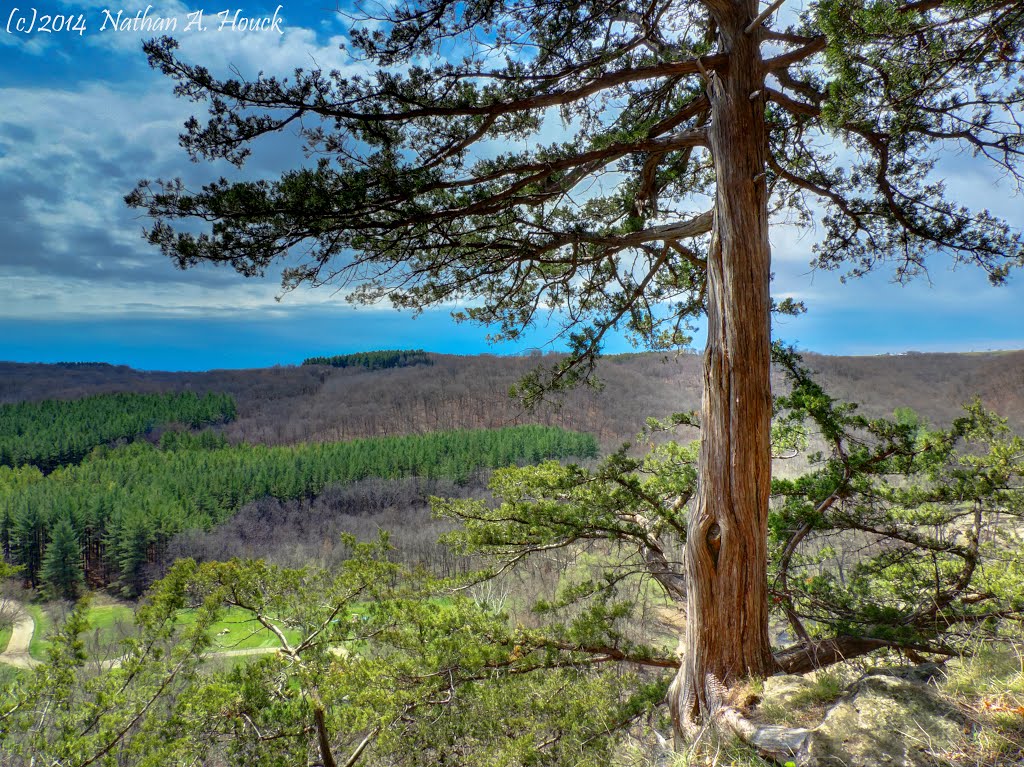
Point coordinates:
pixel 125 505
pixel 285 405
pixel 55 432
pixel 392 358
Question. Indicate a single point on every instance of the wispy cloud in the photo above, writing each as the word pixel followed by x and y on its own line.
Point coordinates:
pixel 71 250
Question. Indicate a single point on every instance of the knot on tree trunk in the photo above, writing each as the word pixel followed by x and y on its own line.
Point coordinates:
pixel 714 541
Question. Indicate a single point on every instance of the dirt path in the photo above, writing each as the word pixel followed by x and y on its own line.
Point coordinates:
pixel 16 653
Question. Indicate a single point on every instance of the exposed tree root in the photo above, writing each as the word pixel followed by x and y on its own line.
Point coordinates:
pixel 781 744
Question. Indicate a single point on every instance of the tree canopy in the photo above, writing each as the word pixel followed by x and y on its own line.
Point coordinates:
pixel 687 127
pixel 53 433
pixel 378 360
pixel 610 224
pixel 118 509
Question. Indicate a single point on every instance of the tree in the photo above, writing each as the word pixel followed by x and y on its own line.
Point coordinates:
pixel 688 125
pixel 61 570
pixel 894 538
pixel 379 665
pixel 365 671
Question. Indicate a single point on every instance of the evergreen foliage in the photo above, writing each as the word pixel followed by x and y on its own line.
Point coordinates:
pixel 378 360
pixel 61 568
pixel 899 534
pixel 125 504
pixel 55 433
pixel 376 667
pixel 86 365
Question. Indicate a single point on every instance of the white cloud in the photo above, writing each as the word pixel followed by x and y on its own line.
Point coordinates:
pixel 67 158
pixel 33 296
pixel 208 37
pixel 75 153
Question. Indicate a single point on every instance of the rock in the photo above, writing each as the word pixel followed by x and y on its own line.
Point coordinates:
pixel 788 690
pixel 887 718
pixel 923 673
pixel 886 721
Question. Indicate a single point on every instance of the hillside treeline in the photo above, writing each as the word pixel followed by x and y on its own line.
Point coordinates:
pixel 55 432
pixel 126 504
pixel 381 360
pixel 286 405
pixel 309 403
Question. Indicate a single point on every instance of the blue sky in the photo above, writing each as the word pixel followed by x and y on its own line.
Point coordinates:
pixel 84 118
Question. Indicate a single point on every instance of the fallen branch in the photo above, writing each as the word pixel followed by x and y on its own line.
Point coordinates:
pixel 804 658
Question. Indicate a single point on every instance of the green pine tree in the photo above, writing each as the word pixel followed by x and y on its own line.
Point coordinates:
pixel 61 570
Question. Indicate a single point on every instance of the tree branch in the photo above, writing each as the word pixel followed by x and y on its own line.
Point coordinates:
pixel 827 652
pixel 817 45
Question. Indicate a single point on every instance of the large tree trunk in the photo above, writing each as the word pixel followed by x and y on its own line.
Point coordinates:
pixel 726 549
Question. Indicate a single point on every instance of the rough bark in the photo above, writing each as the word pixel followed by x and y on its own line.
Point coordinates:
pixel 826 652
pixel 726 552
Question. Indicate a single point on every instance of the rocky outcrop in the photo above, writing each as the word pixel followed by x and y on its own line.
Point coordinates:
pixel 881 720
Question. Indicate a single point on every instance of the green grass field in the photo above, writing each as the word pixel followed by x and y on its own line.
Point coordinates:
pixel 238 630
pixel 44 625
pixel 109 623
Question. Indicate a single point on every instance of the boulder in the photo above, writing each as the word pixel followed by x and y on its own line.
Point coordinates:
pixel 887 721
pixel 882 720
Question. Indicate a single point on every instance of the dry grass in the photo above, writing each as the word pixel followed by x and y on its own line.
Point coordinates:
pixel 711 749
pixel 806 708
pixel 988 687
